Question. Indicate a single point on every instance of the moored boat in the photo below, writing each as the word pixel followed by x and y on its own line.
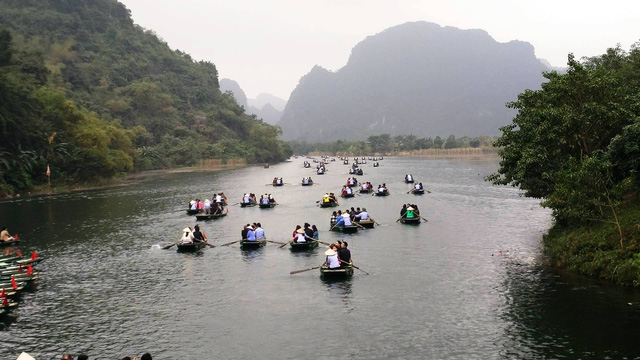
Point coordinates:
pixel 411 221
pixel 211 216
pixel 303 246
pixel 191 247
pixel 338 273
pixel 247 245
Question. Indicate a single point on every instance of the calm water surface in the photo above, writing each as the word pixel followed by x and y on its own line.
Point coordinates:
pixel 471 283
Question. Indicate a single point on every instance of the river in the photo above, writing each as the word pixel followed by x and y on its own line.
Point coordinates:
pixel 471 283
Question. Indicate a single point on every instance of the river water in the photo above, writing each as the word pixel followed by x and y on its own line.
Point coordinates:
pixel 471 283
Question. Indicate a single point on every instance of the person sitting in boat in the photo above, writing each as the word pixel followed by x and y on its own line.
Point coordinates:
pixel 417 186
pixel 344 255
pixel 409 178
pixel 403 211
pixel 334 216
pixel 275 180
pixel 264 199
pixel 246 199
pixel 349 191
pixel 333 197
pixel 345 219
pixel 217 209
pixel 300 236
pixel 187 236
pixel 305 181
pixel 307 230
pixel 333 262
pixel 244 231
pixel 271 199
pixel 197 235
pixel 193 205
pixel 279 182
pixel 315 232
pixel 259 231
pixel 344 190
pixel 251 234
pixel 326 199
pixel 381 189
pixel 415 210
pixel 5 236
pixel 363 215
pixel 219 199
pixel 207 206
pixel 410 213
pixel 200 204
pixel 298 227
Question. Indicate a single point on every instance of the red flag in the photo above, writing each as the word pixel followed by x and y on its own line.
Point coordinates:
pixel 34 255
pixel 2 294
pixel 8 251
pixel 19 253
pixel 20 268
pixel 16 237
pixel 5 302
pixel 29 270
pixel 13 282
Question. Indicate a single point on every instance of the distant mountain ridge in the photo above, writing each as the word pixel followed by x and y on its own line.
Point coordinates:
pixel 265 106
pixel 415 78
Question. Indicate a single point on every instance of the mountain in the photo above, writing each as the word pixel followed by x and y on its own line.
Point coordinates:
pixel 236 90
pixel 267 113
pixel 263 99
pixel 416 78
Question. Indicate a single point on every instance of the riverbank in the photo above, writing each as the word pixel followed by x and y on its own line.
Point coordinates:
pixel 128 179
pixel 456 152
pixel 595 251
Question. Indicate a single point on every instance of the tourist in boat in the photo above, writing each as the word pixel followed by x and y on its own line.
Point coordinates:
pixel 246 199
pixel 244 232
pixel 298 227
pixel 409 178
pixel 410 213
pixel 326 199
pixel 300 236
pixel 207 206
pixel 253 197
pixel 279 181
pixel 334 216
pixel 415 210
pixel 200 204
pixel 271 199
pixel 403 211
pixel 264 199
pixel 275 180
pixel 417 186
pixel 193 205
pixel 305 180
pixel 187 236
pixel 217 210
pixel 197 235
pixel 307 230
pixel 333 262
pixel 362 215
pixel 344 255
pixel 333 197
pixel 315 232
pixel 259 231
pixel 5 236
pixel 251 234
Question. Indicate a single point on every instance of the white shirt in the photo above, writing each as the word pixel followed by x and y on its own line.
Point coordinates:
pixel 246 199
pixel 347 219
pixel 333 262
pixel 364 215
pixel 219 198
pixel 187 238
pixel 265 201
pixel 416 186
pixel 259 233
pixel 300 238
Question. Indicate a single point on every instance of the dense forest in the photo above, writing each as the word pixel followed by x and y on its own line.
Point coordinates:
pixel 386 144
pixel 89 93
pixel 575 144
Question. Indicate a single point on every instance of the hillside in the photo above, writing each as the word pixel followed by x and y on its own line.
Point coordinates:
pixel 416 78
pixel 89 92
pixel 266 107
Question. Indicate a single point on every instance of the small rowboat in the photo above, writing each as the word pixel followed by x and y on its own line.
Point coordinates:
pixel 278 184
pixel 346 162
pixel 348 229
pixel 408 181
pixel 248 245
pixel 303 246
pixel 382 193
pixel 9 242
pixel 320 172
pixel 191 247
pixel 418 192
pixel 359 172
pixel 211 216
pixel 365 191
pixel 355 183
pixel 411 221
pixel 329 204
pixel 308 184
pixel 268 206
pixel 338 273
pixel 366 223
pixel 376 164
pixel 348 195
pixel 193 212
pixel 249 204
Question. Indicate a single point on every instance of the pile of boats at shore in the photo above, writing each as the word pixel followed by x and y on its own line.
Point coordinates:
pixel 17 275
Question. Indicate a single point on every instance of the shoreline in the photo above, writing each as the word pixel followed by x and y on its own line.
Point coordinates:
pixel 124 180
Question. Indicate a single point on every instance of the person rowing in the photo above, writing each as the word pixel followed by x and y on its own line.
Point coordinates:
pixel 197 235
pixel 344 255
pixel 418 186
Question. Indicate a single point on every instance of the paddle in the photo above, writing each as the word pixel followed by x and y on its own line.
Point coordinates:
pixel 300 271
pixel 334 225
pixel 410 191
pixel 358 225
pixel 322 242
pixel 400 218
pixel 275 242
pixel 233 205
pixel 283 245
pixel 172 245
pixel 353 266
pixel 229 243
pixel 425 220
pixel 375 222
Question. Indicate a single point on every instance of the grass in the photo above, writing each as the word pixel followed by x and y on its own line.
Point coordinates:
pixel 595 250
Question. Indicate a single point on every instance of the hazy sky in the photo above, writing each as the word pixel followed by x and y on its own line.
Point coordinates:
pixel 267 45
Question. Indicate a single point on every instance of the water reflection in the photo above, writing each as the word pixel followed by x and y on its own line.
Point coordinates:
pixel 341 288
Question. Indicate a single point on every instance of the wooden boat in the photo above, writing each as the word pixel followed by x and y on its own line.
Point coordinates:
pixel 339 273
pixel 381 158
pixel 411 221
pixel 10 242
pixel 329 204
pixel 320 172
pixel 359 172
pixel 355 183
pixel 348 229
pixel 268 206
pixel 247 245
pixel 365 191
pixel 191 247
pixel 303 246
pixel 249 204
pixel 193 212
pixel 408 181
pixel 308 184
pixel 348 195
pixel 417 192
pixel 211 216
pixel 375 164
pixel 366 223
pixel 266 165
pixel 382 193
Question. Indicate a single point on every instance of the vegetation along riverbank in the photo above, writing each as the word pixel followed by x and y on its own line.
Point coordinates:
pixel 87 96
pixel 575 144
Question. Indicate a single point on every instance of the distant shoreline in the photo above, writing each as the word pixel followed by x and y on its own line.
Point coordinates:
pixel 456 152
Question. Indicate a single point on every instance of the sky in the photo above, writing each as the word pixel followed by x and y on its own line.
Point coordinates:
pixel 268 45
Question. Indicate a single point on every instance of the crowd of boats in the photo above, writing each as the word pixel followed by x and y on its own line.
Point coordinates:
pixel 17 273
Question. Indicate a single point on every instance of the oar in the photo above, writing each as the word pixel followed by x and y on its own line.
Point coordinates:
pixel 300 271
pixel 334 225
pixel 425 220
pixel 409 191
pixel 400 218
pixel 233 205
pixel 353 266
pixel 356 224
pixel 169 246
pixel 283 245
pixel 322 242
pixel 209 245
pixel 275 242
pixel 375 222
pixel 229 243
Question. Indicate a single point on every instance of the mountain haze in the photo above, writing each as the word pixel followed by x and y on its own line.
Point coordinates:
pixel 416 78
pixel 266 106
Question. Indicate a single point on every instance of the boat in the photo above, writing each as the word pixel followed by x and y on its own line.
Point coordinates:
pixel 308 184
pixel 381 158
pixel 191 247
pixel 366 223
pixel 268 206
pixel 303 246
pixel 9 242
pixel 278 184
pixel 247 245
pixel 211 216
pixel 193 212
pixel 266 165
pixel 365 191
pixel 418 192
pixel 329 204
pixel 338 273
pixel 382 193
pixel 348 195
pixel 376 164
pixel 411 221
pixel 348 229
pixel 251 203
pixel 10 305
pixel 320 171
pixel 359 172
pixel 346 162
